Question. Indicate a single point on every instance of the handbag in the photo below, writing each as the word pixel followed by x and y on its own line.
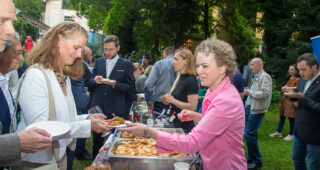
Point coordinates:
pixel 52 116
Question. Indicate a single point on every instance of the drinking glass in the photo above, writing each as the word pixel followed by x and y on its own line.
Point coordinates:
pixel 95 109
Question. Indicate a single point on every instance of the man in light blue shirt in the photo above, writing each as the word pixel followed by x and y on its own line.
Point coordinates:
pixel 160 79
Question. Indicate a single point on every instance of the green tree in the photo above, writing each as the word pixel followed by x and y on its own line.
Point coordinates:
pixel 288 26
pixel 145 25
pixel 33 8
pixel 236 30
pixel 94 10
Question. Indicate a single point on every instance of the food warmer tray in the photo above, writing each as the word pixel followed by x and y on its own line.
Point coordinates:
pixel 121 162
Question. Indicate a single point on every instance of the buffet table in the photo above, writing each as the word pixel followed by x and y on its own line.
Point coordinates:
pixel 107 156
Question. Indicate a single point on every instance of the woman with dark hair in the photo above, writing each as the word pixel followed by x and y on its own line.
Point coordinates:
pixel 287 107
pixel 56 58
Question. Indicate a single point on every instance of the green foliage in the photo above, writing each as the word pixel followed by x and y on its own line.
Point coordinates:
pixel 242 35
pixel 148 26
pixel 33 8
pixel 276 90
pixel 94 10
pixel 288 26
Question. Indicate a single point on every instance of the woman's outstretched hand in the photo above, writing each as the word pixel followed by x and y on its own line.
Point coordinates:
pixel 187 115
pixel 136 129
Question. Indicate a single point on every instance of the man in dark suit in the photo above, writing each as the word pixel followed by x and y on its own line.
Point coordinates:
pixel 306 140
pixel 113 85
pixel 247 75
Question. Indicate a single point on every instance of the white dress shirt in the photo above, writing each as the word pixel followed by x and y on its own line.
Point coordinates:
pixel 110 64
pixel 309 82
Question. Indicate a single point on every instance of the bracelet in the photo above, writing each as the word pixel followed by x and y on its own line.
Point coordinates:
pixel 150 133
pixel 146 132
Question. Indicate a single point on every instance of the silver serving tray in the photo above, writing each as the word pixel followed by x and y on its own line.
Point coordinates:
pixel 120 162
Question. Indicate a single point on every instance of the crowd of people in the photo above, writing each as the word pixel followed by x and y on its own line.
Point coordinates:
pixel 204 92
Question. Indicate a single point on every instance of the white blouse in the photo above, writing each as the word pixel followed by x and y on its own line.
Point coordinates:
pixel 34 103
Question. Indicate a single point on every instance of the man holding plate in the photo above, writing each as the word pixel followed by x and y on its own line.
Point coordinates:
pixel 113 85
pixel 306 139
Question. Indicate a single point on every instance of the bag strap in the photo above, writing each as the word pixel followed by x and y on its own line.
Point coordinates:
pixel 52 114
pixel 52 108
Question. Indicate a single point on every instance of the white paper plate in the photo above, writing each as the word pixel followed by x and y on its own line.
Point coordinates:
pixel 54 128
pixel 121 125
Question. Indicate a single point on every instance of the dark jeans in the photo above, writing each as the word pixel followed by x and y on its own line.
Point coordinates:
pixel 253 122
pixel 81 147
pixel 281 123
pixel 300 151
pixel 70 156
pixel 158 107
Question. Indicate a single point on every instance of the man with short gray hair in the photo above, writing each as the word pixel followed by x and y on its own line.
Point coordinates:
pixel 257 104
pixel 28 141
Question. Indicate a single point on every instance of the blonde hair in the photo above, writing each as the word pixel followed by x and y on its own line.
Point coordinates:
pixel 222 52
pixel 46 52
pixel 186 54
pixel 148 70
pixel 137 66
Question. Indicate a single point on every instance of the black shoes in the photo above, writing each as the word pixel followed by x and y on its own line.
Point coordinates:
pixel 84 157
pixel 253 166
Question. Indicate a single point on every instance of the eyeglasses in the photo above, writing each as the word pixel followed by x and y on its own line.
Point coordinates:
pixel 16 52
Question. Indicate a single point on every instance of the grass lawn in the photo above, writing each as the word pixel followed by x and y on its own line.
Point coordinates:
pixel 276 153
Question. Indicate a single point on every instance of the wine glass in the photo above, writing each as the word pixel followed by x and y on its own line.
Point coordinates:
pixel 95 109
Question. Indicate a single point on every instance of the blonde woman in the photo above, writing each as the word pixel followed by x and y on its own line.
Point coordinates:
pixel 137 70
pixel 218 135
pixel 184 91
pixel 59 55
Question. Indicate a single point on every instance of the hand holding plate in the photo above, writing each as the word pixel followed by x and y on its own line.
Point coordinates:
pixel 34 139
pixel 298 95
pixel 98 125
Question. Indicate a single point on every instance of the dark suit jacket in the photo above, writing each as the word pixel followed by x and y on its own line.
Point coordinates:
pixel 80 96
pixel 307 124
pixel 5 117
pixel 115 100
pixel 247 76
